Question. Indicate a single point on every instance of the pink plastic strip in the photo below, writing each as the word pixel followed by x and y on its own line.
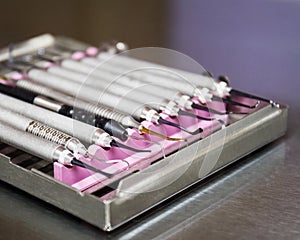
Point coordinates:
pixel 83 179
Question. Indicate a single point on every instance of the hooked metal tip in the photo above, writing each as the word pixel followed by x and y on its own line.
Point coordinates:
pixel 144 130
pixel 79 163
pixel 164 121
pixel 206 109
pixel 210 110
pixel 185 113
pixel 121 145
pixel 149 141
pixel 235 103
pixel 251 96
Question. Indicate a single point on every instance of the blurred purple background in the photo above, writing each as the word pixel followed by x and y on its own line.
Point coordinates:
pixel 256 42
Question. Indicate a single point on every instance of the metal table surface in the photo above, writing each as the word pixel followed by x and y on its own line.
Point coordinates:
pixel 256 198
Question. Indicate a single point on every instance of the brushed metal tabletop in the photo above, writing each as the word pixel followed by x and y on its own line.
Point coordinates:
pixel 256 198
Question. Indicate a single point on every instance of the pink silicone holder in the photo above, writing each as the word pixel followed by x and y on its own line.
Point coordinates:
pixel 92 51
pixel 78 55
pixel 83 179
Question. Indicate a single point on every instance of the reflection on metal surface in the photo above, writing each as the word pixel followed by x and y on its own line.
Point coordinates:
pixel 212 196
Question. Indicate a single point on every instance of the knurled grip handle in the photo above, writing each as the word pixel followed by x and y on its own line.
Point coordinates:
pixel 100 111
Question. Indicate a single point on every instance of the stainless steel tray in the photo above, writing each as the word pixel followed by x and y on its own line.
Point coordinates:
pixel 146 188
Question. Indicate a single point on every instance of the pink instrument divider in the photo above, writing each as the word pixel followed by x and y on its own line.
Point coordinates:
pixel 92 51
pixel 83 179
pixel 78 55
pixel 18 76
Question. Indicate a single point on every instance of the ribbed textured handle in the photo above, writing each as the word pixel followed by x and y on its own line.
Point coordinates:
pixel 100 111
pixel 33 87
pixel 48 133
pixel 83 92
pixel 110 126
